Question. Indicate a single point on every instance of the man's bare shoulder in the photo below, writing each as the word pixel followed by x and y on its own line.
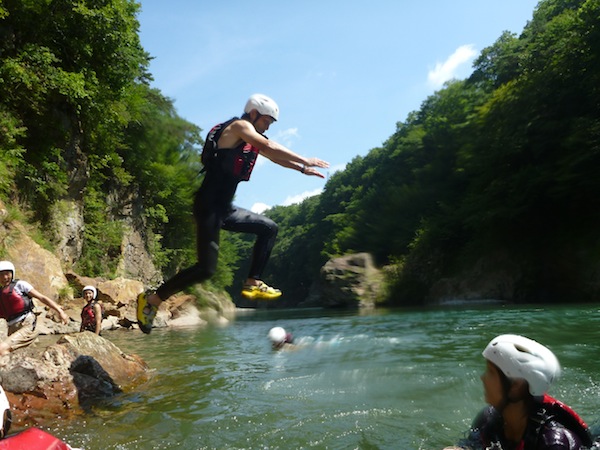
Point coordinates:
pixel 234 133
pixel 241 130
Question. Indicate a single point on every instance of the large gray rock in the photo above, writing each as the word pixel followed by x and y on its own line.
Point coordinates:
pixel 64 376
pixel 351 281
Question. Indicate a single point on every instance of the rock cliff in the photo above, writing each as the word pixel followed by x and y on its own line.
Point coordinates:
pixel 350 281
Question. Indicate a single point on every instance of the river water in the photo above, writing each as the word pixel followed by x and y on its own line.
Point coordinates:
pixel 401 379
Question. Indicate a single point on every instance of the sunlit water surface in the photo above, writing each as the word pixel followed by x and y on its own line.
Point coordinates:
pixel 384 380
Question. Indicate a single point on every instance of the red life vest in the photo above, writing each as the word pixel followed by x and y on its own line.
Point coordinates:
pixel 238 161
pixel 88 316
pixel 13 304
pixel 566 416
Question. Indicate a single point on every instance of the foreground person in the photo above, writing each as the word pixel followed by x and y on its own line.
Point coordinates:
pixel 520 415
pixel 228 157
pixel 16 307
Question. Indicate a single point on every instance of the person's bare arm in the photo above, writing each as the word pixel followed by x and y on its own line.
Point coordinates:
pixel 98 317
pixel 50 303
pixel 242 130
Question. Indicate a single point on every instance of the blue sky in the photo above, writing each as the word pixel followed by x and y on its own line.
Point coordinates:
pixel 343 72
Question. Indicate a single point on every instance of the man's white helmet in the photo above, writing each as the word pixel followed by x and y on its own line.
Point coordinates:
pixel 263 104
pixel 521 357
pixel 91 288
pixel 277 335
pixel 7 265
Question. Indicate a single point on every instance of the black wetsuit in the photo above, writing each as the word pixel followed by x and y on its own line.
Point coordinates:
pixel 213 211
pixel 543 432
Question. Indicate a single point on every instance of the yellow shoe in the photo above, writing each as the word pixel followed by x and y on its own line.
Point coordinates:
pixel 262 291
pixel 145 313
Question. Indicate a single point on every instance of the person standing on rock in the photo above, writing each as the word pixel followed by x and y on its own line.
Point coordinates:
pixel 229 155
pixel 16 307
pixel 91 314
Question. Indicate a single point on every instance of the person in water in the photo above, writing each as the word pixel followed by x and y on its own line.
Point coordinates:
pixel 280 339
pixel 91 313
pixel 228 157
pixel 521 415
pixel 16 307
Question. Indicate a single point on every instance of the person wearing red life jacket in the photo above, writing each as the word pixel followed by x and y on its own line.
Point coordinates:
pixel 521 415
pixel 91 313
pixel 228 157
pixel 16 307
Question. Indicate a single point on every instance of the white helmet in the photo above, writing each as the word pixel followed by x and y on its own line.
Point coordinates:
pixel 7 265
pixel 277 335
pixel 91 288
pixel 263 104
pixel 521 357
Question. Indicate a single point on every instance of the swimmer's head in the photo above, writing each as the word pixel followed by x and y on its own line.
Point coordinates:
pixel 278 337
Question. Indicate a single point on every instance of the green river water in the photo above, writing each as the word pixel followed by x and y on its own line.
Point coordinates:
pixel 401 379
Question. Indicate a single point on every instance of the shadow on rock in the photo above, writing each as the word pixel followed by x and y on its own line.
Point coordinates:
pixel 67 376
pixel 92 381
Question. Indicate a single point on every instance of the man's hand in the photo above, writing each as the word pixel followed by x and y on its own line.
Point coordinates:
pixel 316 162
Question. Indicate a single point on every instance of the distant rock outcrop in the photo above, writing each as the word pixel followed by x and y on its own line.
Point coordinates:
pixel 350 281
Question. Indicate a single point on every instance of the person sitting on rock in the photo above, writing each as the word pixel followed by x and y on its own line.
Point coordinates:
pixel 16 307
pixel 91 314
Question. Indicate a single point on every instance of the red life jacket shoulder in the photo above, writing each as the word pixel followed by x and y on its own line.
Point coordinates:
pixel 12 303
pixel 238 162
pixel 566 416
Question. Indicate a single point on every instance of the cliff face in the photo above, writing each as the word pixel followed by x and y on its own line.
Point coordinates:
pixel 351 281
pixel 67 228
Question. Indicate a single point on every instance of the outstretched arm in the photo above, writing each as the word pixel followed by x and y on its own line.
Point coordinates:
pixel 50 303
pixel 98 317
pixel 276 152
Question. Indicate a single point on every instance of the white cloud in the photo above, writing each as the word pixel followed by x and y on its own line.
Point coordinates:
pixel 298 198
pixel 287 137
pixel 259 208
pixel 448 69
pixel 336 168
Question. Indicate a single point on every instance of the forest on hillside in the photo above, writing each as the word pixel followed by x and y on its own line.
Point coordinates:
pixel 500 165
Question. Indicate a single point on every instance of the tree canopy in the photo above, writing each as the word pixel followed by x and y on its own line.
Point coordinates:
pixel 502 162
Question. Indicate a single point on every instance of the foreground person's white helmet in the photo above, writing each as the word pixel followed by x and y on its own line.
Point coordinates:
pixel 91 288
pixel 521 357
pixel 7 265
pixel 263 104
pixel 277 335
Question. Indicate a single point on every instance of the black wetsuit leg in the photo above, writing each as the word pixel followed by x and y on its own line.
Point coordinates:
pixel 208 227
pixel 243 221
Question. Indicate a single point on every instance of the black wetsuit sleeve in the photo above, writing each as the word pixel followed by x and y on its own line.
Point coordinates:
pixel 475 438
pixel 554 436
